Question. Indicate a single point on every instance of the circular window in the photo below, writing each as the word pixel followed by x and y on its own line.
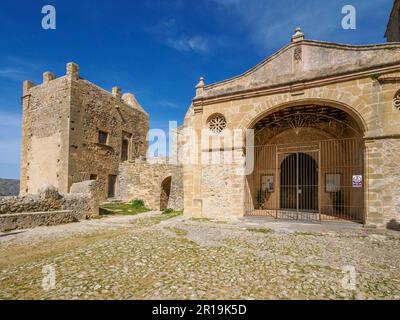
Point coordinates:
pixel 217 123
pixel 396 100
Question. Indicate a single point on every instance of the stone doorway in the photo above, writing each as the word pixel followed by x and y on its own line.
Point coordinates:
pixel 165 193
pixel 112 184
pixel 299 183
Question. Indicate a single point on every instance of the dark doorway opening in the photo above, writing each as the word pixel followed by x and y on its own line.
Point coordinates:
pixel 299 183
pixel 112 182
pixel 165 193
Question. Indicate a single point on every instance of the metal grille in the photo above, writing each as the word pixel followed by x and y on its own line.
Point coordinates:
pixel 317 181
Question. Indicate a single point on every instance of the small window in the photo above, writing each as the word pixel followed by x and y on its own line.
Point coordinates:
pixel 103 137
pixel 124 150
pixel 93 177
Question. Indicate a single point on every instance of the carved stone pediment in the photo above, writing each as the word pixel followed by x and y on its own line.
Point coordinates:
pixel 307 60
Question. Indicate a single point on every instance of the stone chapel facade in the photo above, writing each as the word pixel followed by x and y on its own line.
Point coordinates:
pixel 326 121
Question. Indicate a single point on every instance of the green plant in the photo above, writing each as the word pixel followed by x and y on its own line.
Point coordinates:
pixel 166 216
pixel 261 199
pixel 138 203
pixel 168 211
pixel 130 208
pixel 260 230
pixel 375 76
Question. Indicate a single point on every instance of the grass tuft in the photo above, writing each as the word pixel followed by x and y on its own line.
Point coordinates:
pixel 125 209
pixel 260 230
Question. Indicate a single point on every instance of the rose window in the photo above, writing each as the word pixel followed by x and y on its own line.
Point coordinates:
pixel 396 100
pixel 217 123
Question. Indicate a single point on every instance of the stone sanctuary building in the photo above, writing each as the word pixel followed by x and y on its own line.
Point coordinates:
pixel 326 143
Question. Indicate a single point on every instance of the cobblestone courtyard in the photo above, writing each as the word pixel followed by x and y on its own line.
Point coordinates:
pixel 153 256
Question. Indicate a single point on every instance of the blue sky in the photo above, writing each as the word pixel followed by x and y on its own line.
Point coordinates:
pixel 158 49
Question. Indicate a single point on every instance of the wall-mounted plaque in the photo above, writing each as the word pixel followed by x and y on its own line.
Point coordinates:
pixel 357 181
pixel 268 183
pixel 332 182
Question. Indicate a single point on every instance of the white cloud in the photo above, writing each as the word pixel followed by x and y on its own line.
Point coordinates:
pixel 13 74
pixel 171 105
pixel 19 69
pixel 197 44
pixel 171 34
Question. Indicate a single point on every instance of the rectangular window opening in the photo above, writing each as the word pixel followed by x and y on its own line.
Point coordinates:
pixel 103 137
pixel 125 150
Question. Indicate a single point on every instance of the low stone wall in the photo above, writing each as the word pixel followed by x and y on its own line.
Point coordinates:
pixel 47 200
pixel 142 180
pixel 48 207
pixel 9 222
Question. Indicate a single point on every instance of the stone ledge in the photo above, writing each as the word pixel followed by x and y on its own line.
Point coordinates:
pixel 26 220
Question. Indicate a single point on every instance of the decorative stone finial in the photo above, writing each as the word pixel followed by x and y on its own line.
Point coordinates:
pixel 48 76
pixel 116 91
pixel 73 70
pixel 201 83
pixel 298 35
pixel 200 86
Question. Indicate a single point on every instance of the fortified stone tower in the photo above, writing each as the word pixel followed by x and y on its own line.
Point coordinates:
pixel 75 131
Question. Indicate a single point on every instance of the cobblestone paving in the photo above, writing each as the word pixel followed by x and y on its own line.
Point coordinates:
pixel 151 257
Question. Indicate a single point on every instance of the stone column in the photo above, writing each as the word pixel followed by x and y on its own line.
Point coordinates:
pixel 374 183
pixel 197 200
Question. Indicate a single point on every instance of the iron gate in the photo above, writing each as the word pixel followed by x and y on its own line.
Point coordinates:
pixel 317 181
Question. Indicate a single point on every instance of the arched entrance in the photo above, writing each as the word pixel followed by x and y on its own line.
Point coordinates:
pixel 165 193
pixel 299 183
pixel 308 165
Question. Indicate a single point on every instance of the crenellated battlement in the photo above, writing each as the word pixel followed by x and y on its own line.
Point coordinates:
pixel 73 74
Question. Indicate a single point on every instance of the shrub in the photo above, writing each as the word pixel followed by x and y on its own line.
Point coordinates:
pixel 168 211
pixel 138 203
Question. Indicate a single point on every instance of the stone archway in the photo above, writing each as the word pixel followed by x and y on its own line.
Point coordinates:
pixel 165 193
pixel 307 159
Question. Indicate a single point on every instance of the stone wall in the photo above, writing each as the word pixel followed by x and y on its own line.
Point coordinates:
pixel 176 197
pixel 391 158
pixel 94 109
pixel 44 157
pixel 49 207
pixel 383 196
pixel 9 222
pixel 142 180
